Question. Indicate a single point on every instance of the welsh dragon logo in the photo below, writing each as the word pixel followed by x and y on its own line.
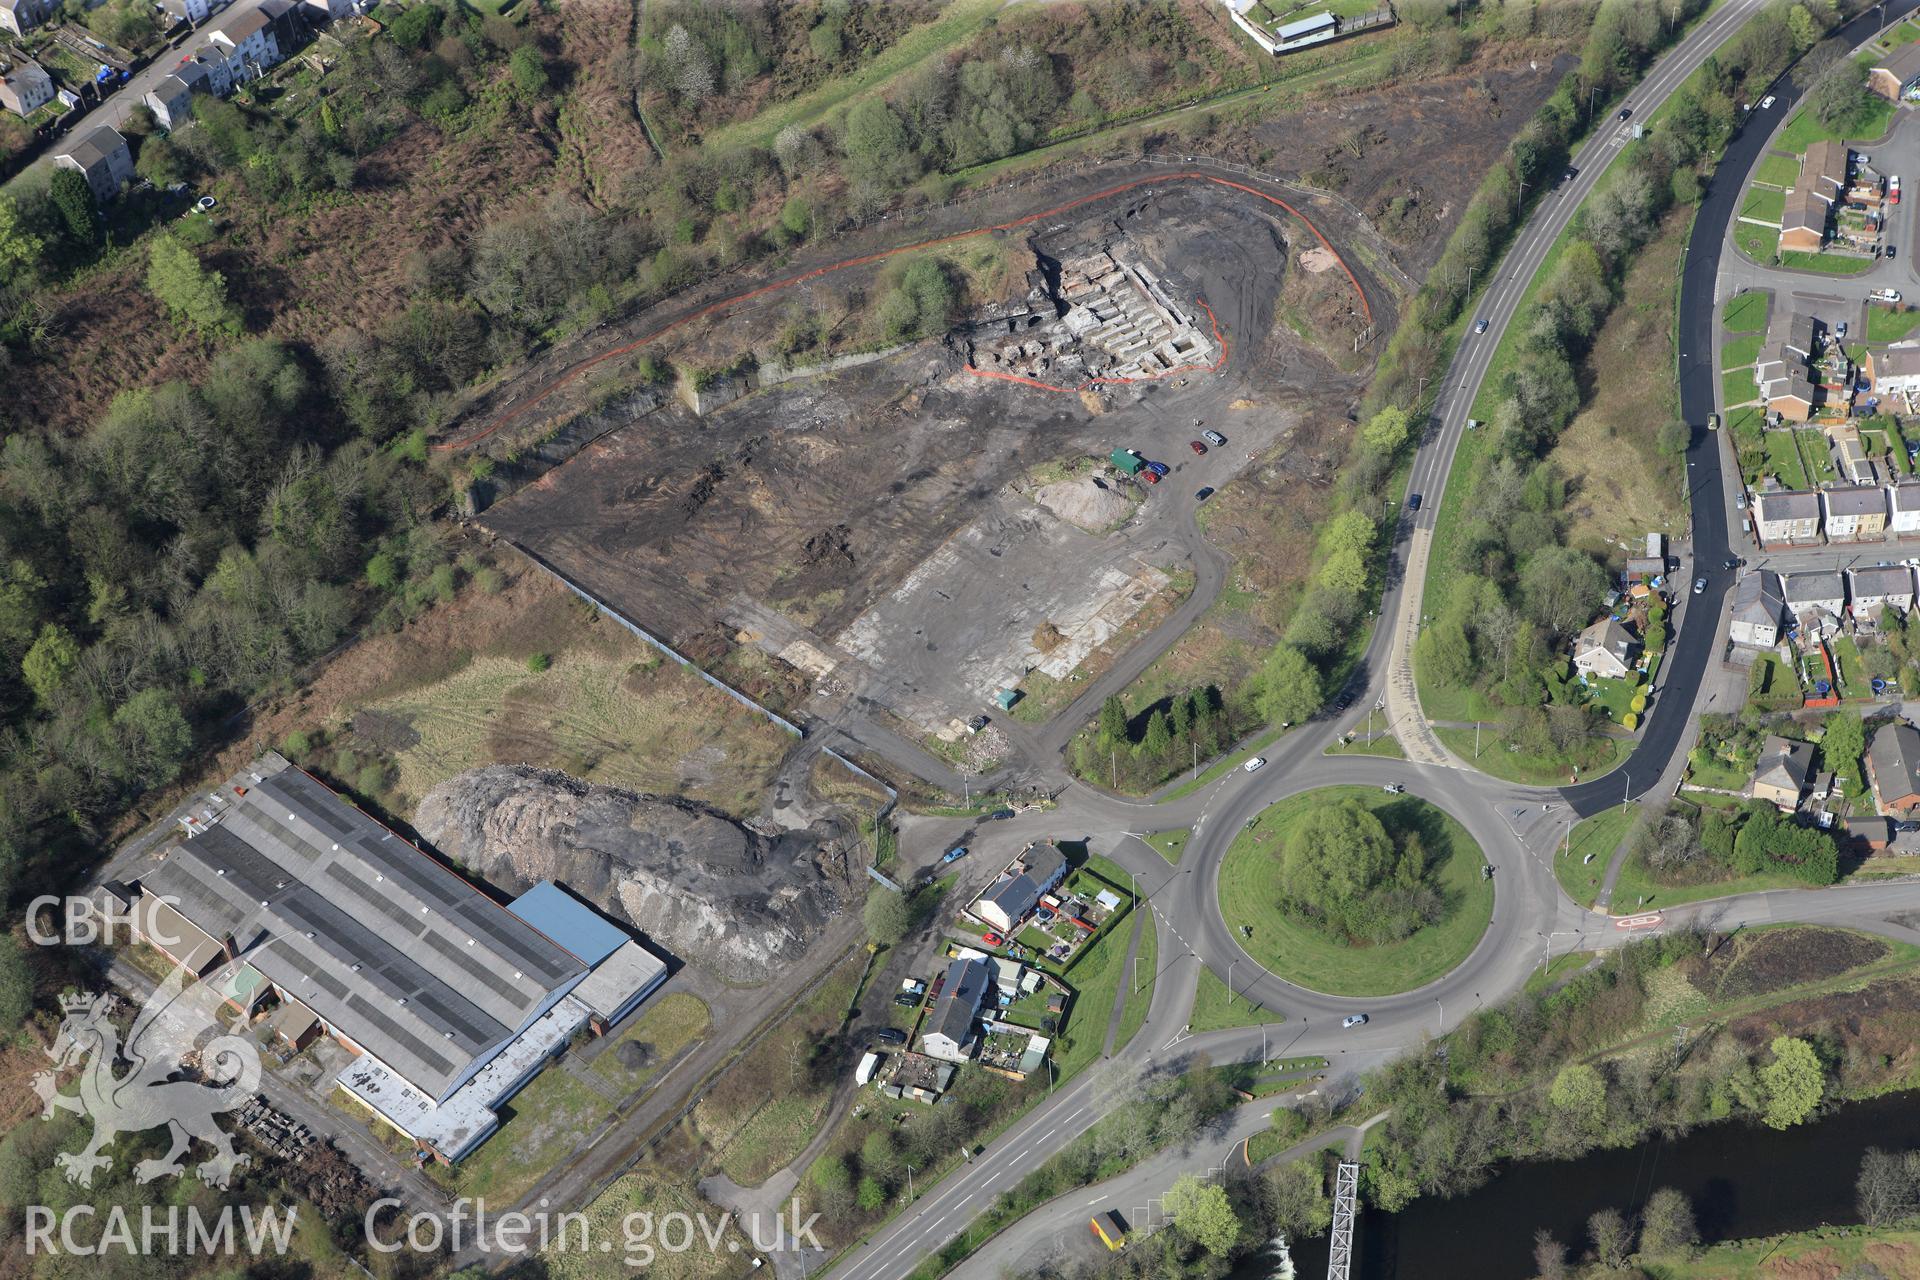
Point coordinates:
pixel 179 1020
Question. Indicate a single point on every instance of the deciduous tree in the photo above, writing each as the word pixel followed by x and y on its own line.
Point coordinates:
pixel 1202 1213
pixel 1793 1083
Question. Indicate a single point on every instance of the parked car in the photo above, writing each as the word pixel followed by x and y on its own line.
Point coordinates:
pixel 1150 476
pixel 1196 446
pixel 1699 585
pixel 954 854
pixel 1255 765
pixel 1479 326
pixel 906 999
pixel 1713 422
pixel 1732 562
pixel 1203 493
pixel 1766 102
pixel 1394 789
pixel 993 939
pixel 1213 438
pixel 1354 1020
pixel 1413 502
pixel 1840 330
pixel 1158 468
pixel 890 1035
pixel 1893 251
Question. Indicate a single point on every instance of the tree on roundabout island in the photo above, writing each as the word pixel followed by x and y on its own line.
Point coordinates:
pixel 1355 891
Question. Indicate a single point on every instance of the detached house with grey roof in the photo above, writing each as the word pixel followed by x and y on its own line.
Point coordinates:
pixel 1758 611
pixel 25 87
pixel 1880 588
pixel 102 159
pixel 1893 767
pixel 1903 509
pixel 22 16
pixel 171 100
pixel 949 1029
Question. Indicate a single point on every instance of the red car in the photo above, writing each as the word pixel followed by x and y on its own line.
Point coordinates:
pixel 992 939
pixel 1197 446
pixel 1150 477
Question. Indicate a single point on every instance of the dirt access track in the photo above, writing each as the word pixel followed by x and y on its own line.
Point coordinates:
pixel 869 537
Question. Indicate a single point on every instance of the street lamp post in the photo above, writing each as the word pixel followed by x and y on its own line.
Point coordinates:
pixel 1230 965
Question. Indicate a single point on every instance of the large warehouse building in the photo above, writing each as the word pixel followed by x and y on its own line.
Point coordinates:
pixel 452 1001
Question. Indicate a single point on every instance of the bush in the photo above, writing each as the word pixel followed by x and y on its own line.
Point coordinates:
pixel 539 662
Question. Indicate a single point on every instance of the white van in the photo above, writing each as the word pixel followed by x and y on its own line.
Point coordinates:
pixel 1258 762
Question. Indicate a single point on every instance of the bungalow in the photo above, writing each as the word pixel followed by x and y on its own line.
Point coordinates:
pixel 1757 611
pixel 25 87
pixel 1780 774
pixel 1018 889
pixel 102 159
pixel 1855 513
pixel 1893 768
pixel 949 1032
pixel 1896 77
pixel 1882 587
pixel 1903 505
pixel 1604 649
pixel 1814 600
pixel 1787 516
pixel 1894 371
pixel 22 16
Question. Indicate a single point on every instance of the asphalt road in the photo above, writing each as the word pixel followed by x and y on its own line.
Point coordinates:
pixel 1517 828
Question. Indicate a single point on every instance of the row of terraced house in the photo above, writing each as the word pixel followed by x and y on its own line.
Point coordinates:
pixel 1840 513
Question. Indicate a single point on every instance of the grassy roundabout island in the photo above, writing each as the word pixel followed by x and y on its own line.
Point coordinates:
pixel 1353 891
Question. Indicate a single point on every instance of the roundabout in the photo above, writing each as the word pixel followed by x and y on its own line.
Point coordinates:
pixel 1429 902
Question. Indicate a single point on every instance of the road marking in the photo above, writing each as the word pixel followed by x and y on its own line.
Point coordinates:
pixel 1637 922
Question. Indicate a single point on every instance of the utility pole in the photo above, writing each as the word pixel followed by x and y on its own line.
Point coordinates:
pixel 1230 965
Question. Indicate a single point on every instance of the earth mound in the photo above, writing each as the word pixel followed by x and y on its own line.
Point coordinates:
pixel 712 891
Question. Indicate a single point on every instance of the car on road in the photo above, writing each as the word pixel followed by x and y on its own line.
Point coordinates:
pixel 1203 493
pixel 1713 422
pixel 1766 102
pixel 1256 764
pixel 1625 112
pixel 1213 438
pixel 1840 330
pixel 1354 1020
pixel 1158 468
pixel 1732 562
pixel 1197 446
pixel 1571 174
pixel 1699 585
pixel 1413 502
pixel 205 204
pixel 1893 251
pixel 954 854
pixel 1479 326
pixel 890 1035
pixel 1394 789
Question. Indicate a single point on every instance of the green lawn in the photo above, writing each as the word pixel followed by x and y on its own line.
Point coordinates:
pixel 667 1026
pixel 1887 325
pixel 1170 844
pixel 1737 387
pixel 1757 242
pixel 1805 127
pixel 1833 264
pixel 1813 448
pixel 1745 312
pixel 1777 170
pixel 1854 681
pixel 1380 744
pixel 1559 967
pixel 1783 459
pixel 1615 696
pixel 1599 835
pixel 1495 759
pixel 1636 889
pixel 1095 977
pixel 1297 951
pixel 1740 353
pixel 1752 418
pixel 1139 980
pixel 1765 204
pixel 1215 1010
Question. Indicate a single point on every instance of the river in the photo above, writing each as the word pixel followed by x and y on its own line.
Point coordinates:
pixel 1744 1180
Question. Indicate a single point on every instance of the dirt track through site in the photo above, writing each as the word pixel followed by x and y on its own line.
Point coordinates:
pixel 513 411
